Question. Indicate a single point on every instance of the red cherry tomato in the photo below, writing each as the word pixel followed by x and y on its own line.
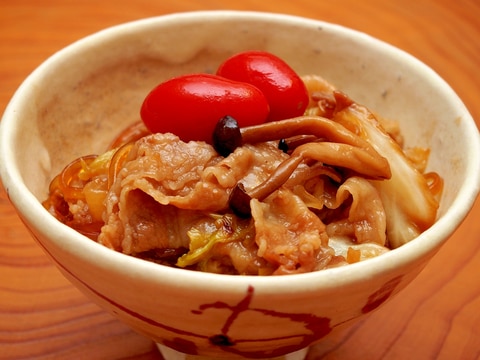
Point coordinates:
pixel 190 106
pixel 284 89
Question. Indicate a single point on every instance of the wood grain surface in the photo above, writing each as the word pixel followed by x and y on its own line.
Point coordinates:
pixel 43 316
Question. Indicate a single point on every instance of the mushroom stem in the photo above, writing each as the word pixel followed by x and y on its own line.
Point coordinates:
pixel 341 148
pixel 307 125
pixel 281 174
pixel 240 199
pixel 361 161
pixel 303 125
pixel 333 154
pixel 289 144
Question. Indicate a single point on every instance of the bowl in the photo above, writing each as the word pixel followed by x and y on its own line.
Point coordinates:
pixel 74 102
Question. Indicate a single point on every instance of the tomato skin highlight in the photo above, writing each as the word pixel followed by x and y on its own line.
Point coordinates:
pixel 284 89
pixel 190 106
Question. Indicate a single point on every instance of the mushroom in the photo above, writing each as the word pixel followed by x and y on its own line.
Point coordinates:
pixel 338 147
pixel 291 143
pixel 226 136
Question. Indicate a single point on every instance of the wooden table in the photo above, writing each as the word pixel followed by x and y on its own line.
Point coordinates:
pixel 438 316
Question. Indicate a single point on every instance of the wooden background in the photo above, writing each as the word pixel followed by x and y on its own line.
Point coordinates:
pixel 42 316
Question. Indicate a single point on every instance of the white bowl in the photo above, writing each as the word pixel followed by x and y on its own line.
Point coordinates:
pixel 74 102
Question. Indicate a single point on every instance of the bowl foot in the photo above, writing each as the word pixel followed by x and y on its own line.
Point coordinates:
pixel 170 354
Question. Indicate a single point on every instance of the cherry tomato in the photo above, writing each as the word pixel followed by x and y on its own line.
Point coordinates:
pixel 284 89
pixel 190 106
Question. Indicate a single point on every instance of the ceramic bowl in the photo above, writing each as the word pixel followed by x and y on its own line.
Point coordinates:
pixel 75 102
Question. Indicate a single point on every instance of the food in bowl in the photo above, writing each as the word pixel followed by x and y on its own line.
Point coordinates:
pixel 235 173
pixel 76 102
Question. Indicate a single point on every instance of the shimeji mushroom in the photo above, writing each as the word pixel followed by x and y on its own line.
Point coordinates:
pixel 334 145
pixel 354 141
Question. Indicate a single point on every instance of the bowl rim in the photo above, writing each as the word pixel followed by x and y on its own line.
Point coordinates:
pixel 33 212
